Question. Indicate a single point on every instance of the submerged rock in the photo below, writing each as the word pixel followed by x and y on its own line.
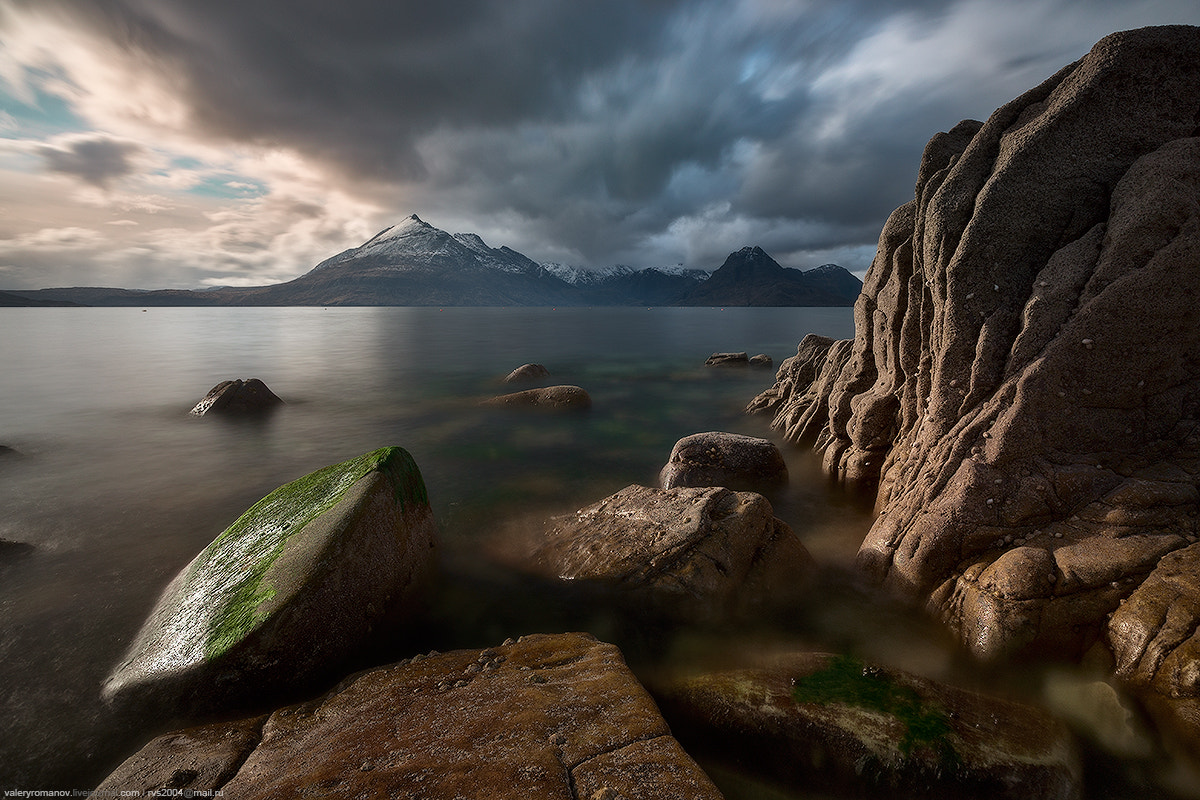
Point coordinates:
pixel 290 590
pixel 527 372
pixel 553 398
pixel 545 717
pixel 761 360
pixel 1023 392
pixel 237 397
pixel 833 724
pixel 727 360
pixel 743 463
pixel 690 553
pixel 10 550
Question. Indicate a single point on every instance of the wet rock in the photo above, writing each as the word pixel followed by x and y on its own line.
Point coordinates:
pixel 527 372
pixel 762 361
pixel 547 717
pixel 1021 394
pixel 289 591
pixel 552 398
pixel 689 553
pixel 8 452
pixel 237 397
pixel 833 724
pixel 742 463
pixel 200 759
pixel 727 360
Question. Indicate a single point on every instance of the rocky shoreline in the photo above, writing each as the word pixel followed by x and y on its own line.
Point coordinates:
pixel 1020 404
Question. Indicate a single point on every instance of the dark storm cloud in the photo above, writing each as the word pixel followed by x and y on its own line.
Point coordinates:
pixel 94 160
pixel 596 126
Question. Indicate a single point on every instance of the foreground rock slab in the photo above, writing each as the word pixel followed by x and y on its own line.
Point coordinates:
pixel 551 398
pixel 290 590
pixel 237 397
pixel 545 717
pixel 689 553
pixel 724 459
pixel 833 724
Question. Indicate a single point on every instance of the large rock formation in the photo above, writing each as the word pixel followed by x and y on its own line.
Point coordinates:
pixel 1023 392
pixel 290 590
pixel 545 717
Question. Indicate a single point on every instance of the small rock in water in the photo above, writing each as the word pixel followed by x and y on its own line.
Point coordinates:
pixel 727 360
pixel 237 397
pixel 761 360
pixel 527 372
pixel 553 398
pixel 716 458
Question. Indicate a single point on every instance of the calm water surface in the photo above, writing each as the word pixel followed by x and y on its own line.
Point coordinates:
pixel 118 488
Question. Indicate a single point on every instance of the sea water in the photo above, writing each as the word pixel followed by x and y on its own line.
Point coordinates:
pixel 118 488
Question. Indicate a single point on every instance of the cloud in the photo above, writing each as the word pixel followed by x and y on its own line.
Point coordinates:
pixel 249 141
pixel 95 160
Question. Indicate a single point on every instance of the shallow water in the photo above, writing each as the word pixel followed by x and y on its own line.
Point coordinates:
pixel 118 488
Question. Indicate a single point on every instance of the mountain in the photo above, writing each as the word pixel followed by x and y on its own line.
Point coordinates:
pixel 415 264
pixel 750 277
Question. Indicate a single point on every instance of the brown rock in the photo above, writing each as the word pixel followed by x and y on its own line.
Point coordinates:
pixel 237 397
pixel 546 717
pixel 742 463
pixel 832 724
pixel 1021 394
pixel 689 552
pixel 553 398
pixel 762 360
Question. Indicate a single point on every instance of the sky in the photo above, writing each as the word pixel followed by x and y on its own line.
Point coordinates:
pixel 186 143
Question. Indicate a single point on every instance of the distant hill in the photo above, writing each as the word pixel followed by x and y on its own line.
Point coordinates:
pixel 416 264
pixel 10 300
pixel 750 277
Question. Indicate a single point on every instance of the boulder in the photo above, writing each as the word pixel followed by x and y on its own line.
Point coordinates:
pixel 8 452
pixel 237 397
pixel 552 398
pixel 762 361
pixel 832 724
pixel 527 372
pixel 687 553
pixel 290 590
pixel 742 463
pixel 727 360
pixel 1022 395
pixel 547 717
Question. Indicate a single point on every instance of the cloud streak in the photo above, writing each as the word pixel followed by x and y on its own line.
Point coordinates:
pixel 269 135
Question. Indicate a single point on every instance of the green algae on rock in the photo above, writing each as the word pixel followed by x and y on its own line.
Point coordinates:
pixel 833 724
pixel 292 587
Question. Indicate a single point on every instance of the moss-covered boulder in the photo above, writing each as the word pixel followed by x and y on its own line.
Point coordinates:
pixel 290 590
pixel 833 724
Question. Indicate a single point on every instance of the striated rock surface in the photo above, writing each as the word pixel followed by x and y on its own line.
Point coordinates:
pixel 716 458
pixel 832 724
pixel 1023 392
pixel 547 717
pixel 553 398
pixel 237 397
pixel 691 553
pixel 289 590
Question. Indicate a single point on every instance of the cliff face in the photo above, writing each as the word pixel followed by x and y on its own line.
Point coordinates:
pixel 1023 392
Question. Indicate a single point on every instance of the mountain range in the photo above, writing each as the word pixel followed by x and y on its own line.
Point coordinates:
pixel 415 264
